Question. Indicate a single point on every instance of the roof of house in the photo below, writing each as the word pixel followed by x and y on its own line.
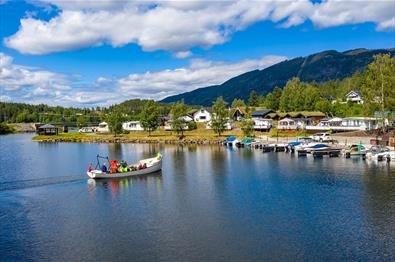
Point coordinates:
pixel 297 114
pixel 47 126
pixel 287 120
pixel 354 91
pixel 238 109
pixel 261 112
pixel 328 97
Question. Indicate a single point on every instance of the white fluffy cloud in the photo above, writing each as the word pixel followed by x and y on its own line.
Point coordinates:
pixel 23 84
pixel 180 25
pixel 15 77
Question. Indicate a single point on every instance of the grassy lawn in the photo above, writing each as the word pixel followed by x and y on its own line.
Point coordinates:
pixel 201 133
pixel 197 134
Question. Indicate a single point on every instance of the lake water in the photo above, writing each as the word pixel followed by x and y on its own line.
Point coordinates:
pixel 209 203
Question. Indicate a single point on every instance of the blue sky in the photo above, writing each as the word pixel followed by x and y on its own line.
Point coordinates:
pixel 86 53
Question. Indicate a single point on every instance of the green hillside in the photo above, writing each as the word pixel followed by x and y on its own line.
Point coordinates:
pixel 320 67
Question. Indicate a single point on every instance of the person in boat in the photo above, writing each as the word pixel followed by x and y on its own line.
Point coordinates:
pixel 90 168
pixel 104 168
pixel 123 163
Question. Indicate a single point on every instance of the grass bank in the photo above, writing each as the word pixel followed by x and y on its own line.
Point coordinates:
pixel 198 136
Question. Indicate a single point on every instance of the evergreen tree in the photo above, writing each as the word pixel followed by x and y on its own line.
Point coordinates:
pixel 253 101
pixel 149 117
pixel 220 116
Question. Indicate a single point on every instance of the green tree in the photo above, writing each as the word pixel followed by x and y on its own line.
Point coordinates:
pixel 324 106
pixel 220 116
pixel 149 117
pixel 114 120
pixel 253 101
pixel 178 112
pixel 81 121
pixel 238 103
pixel 310 96
pixel 6 129
pixel 273 99
pixel 379 84
pixel 292 98
pixel 247 125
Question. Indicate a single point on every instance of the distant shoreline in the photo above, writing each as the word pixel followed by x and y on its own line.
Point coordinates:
pixel 195 137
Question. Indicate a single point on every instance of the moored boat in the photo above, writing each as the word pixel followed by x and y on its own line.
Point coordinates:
pixel 143 167
pixel 231 141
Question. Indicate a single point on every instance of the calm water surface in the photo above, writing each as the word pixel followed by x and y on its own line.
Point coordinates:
pixel 207 204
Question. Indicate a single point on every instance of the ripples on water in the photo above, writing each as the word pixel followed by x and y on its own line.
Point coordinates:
pixel 208 203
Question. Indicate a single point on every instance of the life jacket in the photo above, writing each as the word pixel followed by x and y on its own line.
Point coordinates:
pixel 114 166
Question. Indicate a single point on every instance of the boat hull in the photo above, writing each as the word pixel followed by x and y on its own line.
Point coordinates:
pixel 96 174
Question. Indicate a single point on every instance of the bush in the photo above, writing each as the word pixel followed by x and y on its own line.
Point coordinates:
pixel 6 129
pixel 125 132
pixel 192 125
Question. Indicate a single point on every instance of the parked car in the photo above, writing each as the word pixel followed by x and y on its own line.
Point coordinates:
pixel 322 137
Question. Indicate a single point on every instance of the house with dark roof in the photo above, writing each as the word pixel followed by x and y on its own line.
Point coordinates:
pixel 47 129
pixel 354 96
pixel 262 113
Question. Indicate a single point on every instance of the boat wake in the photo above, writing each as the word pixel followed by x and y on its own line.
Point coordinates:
pixel 29 183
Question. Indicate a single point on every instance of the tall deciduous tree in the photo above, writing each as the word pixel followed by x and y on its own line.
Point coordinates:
pixel 81 121
pixel 220 116
pixel 379 84
pixel 114 120
pixel 247 125
pixel 149 117
pixel 178 112
pixel 253 101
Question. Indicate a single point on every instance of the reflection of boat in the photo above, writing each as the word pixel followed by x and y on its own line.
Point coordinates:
pixel 149 165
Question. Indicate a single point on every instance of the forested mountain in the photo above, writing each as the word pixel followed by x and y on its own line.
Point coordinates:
pixel 320 67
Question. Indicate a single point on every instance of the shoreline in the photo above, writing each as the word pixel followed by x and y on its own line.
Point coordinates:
pixel 201 139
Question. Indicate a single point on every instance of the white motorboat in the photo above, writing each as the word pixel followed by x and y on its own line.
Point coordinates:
pixel 143 167
pixel 377 152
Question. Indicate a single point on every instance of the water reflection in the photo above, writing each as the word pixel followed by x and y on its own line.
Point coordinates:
pixel 120 186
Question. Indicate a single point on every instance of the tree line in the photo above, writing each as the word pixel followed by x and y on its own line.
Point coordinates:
pixel 376 84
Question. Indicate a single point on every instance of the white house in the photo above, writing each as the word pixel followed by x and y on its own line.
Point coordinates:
pixel 168 127
pixel 286 124
pixel 293 123
pixel 187 118
pixel 354 96
pixel 262 123
pixel 132 126
pixel 360 123
pixel 202 115
pixel 346 124
pixel 103 127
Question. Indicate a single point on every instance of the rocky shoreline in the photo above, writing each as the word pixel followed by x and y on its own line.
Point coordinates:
pixel 134 141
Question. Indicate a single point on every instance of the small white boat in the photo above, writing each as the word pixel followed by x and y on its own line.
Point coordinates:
pixel 151 165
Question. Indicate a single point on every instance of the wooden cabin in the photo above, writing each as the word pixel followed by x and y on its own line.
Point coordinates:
pixel 47 130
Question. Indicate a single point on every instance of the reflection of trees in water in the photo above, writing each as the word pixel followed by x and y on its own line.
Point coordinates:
pixel 151 150
pixel 379 202
pixel 218 160
pixel 178 156
pixel 115 151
